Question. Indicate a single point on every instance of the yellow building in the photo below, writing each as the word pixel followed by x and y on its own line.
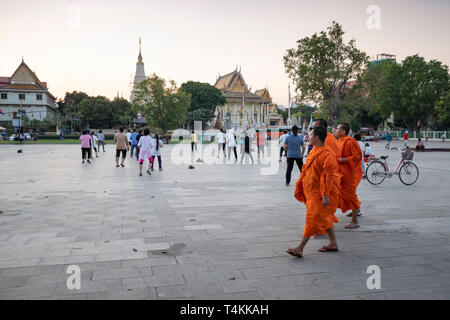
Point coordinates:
pixel 243 109
pixel 274 118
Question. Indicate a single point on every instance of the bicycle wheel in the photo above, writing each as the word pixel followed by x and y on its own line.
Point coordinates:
pixel 375 172
pixel 409 173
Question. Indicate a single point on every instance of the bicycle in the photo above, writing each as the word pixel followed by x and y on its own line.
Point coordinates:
pixel 377 170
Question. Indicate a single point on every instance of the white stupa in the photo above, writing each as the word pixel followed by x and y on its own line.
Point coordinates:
pixel 139 76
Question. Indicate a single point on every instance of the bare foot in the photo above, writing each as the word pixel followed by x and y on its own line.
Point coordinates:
pixel 351 225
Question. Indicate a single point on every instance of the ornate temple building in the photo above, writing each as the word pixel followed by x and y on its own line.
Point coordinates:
pixel 24 94
pixel 139 75
pixel 243 109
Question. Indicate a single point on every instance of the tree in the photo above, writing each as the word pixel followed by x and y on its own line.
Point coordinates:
pixel 96 111
pixel 167 105
pixel 69 105
pixel 305 111
pixel 204 100
pixel 412 90
pixel 443 111
pixel 122 112
pixel 321 66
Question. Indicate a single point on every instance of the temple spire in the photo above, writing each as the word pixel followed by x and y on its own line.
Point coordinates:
pixel 140 54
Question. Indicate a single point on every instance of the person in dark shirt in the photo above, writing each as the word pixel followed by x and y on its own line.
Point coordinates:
pixel 246 147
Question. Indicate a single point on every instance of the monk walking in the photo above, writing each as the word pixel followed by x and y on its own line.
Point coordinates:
pixel 317 188
pixel 349 164
pixel 331 142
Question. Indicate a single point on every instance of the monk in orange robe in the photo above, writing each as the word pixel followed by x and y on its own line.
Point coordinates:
pixel 350 167
pixel 330 141
pixel 317 188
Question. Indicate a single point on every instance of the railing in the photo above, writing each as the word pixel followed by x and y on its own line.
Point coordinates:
pixel 414 135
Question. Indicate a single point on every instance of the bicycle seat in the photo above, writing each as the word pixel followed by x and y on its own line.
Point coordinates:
pixel 384 157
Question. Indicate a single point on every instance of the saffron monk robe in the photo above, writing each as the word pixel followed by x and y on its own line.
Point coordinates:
pixel 318 189
pixel 350 168
pixel 331 142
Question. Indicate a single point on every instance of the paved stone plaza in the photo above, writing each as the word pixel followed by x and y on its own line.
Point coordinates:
pixel 215 232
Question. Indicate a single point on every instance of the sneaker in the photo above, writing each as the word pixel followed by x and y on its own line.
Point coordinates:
pixel 82 162
pixel 117 166
pixel 88 161
pixel 140 174
pixel 122 165
pixel 96 155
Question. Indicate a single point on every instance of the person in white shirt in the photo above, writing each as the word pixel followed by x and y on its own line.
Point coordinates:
pixel 129 137
pixel 145 152
pixel 231 142
pixel 156 151
pixel 281 142
pixel 363 150
pixel 94 143
pixel 221 143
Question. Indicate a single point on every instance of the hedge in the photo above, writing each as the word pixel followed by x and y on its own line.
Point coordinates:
pixel 67 136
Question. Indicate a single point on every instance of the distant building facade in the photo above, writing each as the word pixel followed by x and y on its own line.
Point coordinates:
pixel 243 109
pixel 24 93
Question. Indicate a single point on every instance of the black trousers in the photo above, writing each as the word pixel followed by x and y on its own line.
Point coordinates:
pixel 85 153
pixel 281 152
pixel 290 166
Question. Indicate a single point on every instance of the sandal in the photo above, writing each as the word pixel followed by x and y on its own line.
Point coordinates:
pixel 358 214
pixel 293 253
pixel 326 249
pixel 351 226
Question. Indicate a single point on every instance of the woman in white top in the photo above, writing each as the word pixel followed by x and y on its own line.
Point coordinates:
pixel 156 151
pixel 145 152
pixel 231 142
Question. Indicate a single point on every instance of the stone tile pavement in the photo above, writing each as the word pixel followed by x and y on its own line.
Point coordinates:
pixel 219 231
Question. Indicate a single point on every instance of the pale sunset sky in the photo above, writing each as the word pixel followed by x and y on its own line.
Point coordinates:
pixel 96 50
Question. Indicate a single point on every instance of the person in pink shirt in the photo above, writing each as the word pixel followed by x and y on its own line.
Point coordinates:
pixel 85 145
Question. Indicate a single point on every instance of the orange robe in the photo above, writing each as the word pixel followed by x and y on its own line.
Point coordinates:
pixel 332 142
pixel 349 172
pixel 318 178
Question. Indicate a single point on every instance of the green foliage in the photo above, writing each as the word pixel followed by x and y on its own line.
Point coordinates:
pixel 95 111
pixel 411 90
pixel 303 110
pixel 164 106
pixel 204 100
pixel 443 111
pixel 68 107
pixel 122 112
pixel 101 112
pixel 321 66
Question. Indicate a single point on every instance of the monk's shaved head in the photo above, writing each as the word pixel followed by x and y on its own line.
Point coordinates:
pixel 320 123
pixel 345 126
pixel 320 133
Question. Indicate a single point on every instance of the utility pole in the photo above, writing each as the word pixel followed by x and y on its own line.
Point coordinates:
pixel 289 104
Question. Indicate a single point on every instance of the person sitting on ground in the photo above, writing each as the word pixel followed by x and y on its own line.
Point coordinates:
pixel 368 150
pixel 420 146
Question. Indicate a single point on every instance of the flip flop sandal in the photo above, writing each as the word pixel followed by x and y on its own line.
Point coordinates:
pixel 351 226
pixel 294 254
pixel 325 249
